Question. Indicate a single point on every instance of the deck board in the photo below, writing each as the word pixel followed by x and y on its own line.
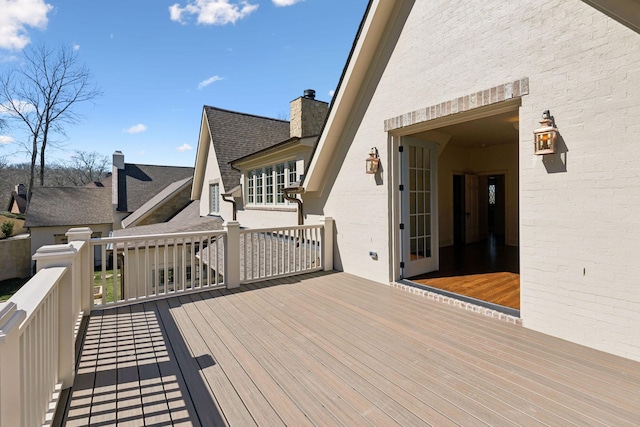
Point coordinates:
pixel 335 349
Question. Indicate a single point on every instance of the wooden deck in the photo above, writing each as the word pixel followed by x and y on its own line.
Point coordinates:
pixel 331 349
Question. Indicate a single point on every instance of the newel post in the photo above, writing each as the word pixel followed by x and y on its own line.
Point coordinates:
pixel 62 256
pixel 232 255
pixel 10 364
pixel 327 243
pixel 85 281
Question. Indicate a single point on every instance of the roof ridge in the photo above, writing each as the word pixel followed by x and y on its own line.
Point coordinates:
pixel 159 166
pixel 245 114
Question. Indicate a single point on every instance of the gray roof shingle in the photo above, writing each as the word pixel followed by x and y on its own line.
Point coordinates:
pixel 236 135
pixel 68 206
pixel 139 183
pixel 188 219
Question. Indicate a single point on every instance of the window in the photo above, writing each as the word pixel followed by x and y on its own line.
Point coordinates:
pixel 251 185
pixel 292 172
pixel 279 183
pixel 214 198
pixel 268 177
pixel 259 189
pixel 265 185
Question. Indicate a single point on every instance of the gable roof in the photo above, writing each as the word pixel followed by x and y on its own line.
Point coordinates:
pixel 156 201
pixel 137 184
pixel 363 52
pixel 68 206
pixel 186 220
pixel 20 200
pixel 234 135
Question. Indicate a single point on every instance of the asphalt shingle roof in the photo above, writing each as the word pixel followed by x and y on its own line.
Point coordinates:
pixel 236 135
pixel 188 219
pixel 68 206
pixel 139 183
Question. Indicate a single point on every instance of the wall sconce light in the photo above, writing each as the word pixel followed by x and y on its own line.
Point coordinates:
pixel 373 161
pixel 544 138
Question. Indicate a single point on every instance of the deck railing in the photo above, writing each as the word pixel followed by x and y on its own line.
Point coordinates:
pixel 38 329
pixel 39 324
pixel 276 252
pixel 132 269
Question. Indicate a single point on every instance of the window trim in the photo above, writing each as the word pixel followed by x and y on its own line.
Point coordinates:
pixel 260 185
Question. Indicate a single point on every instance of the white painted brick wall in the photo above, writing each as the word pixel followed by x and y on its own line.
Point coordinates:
pixel 582 66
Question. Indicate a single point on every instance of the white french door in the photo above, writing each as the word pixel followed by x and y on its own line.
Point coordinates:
pixel 418 207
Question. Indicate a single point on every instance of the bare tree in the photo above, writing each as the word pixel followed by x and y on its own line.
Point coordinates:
pixel 41 92
pixel 83 168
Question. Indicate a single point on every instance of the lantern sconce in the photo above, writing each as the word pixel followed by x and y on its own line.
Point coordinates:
pixel 544 138
pixel 373 161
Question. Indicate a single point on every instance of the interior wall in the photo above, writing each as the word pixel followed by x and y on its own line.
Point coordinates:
pixel 498 159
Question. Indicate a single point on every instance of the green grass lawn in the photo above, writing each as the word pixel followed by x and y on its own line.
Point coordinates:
pixel 10 287
pixel 107 292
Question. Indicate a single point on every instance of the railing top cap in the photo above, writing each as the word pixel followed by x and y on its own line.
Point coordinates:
pixel 48 250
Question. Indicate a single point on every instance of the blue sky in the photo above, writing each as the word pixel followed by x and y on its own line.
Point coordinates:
pixel 158 62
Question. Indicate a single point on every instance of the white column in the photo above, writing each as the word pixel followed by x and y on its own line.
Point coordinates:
pixel 327 243
pixel 85 281
pixel 232 255
pixel 10 361
pixel 62 256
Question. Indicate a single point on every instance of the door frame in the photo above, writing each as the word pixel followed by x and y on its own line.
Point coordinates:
pixel 395 219
pixel 393 142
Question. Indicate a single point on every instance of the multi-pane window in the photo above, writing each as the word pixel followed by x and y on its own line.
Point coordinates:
pixel 251 185
pixel 292 172
pixel 265 185
pixel 214 198
pixel 268 179
pixel 259 187
pixel 279 183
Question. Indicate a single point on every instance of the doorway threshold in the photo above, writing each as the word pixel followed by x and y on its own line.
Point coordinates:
pixel 480 303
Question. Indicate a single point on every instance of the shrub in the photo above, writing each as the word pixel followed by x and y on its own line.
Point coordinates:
pixel 7 228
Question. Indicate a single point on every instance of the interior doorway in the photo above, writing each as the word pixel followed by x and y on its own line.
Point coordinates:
pixel 478 208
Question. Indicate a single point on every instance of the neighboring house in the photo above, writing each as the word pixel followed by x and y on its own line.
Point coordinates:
pixel 134 194
pixel 18 201
pixel 250 160
pixel 449 94
pixel 53 210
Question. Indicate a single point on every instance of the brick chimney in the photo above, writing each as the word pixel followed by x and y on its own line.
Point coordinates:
pixel 307 115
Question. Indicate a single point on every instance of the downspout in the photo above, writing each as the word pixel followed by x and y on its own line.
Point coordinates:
pixel 233 202
pixel 287 195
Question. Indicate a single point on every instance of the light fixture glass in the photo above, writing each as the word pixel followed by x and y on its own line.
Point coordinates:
pixel 545 136
pixel 372 162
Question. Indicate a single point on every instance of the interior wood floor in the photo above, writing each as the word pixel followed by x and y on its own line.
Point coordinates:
pixel 487 271
pixel 332 349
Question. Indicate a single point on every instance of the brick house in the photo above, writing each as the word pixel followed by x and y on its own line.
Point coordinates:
pixel 448 95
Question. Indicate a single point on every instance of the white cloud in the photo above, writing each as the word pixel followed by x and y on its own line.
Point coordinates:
pixel 6 139
pixel 331 93
pixel 22 106
pixel 76 46
pixel 184 147
pixel 141 152
pixel 282 3
pixel 135 129
pixel 208 81
pixel 16 16
pixel 212 12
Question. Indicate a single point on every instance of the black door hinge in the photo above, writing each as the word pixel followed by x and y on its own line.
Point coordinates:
pixel 401 226
pixel 401 187
pixel 400 148
pixel 401 264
